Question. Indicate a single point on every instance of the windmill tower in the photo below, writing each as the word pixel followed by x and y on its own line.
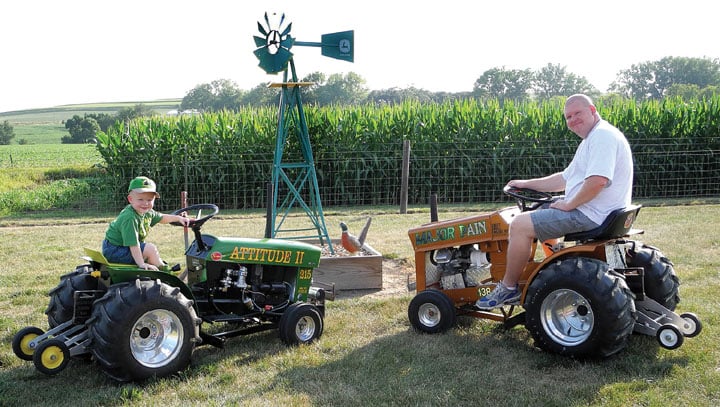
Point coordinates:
pixel 294 179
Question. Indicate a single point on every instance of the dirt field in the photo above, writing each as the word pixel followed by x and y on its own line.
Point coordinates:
pixel 396 275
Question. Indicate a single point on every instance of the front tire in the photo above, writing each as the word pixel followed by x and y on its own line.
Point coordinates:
pixel 301 323
pixel 51 356
pixel 432 311
pixel 21 342
pixel 142 329
pixel 576 307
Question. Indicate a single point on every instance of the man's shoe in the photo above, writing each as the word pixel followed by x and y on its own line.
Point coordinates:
pixel 498 297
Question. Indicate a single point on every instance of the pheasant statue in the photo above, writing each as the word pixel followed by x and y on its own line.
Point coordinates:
pixel 352 243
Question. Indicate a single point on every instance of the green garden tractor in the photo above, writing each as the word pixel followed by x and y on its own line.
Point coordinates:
pixel 138 324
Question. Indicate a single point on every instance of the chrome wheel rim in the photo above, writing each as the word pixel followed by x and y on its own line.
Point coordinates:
pixel 305 329
pixel 156 338
pixel 429 315
pixel 567 317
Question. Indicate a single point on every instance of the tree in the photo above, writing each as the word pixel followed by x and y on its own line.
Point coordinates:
pixel 397 95
pixel 220 94
pixel 104 120
pixel 200 98
pixel 82 130
pixel 501 83
pixel 554 80
pixel 342 89
pixel 129 113
pixel 7 132
pixel 309 93
pixel 652 79
pixel 261 95
pixel 683 91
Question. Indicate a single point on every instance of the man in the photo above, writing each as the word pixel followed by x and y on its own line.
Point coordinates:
pixel 597 181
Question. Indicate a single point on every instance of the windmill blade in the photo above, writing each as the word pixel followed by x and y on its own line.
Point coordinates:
pixel 286 31
pixel 266 20
pixel 287 43
pixel 273 63
pixel 259 41
pixel 262 29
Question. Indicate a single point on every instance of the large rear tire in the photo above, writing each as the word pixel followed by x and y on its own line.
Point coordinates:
pixel 661 282
pixel 142 329
pixel 578 308
pixel 61 305
pixel 432 311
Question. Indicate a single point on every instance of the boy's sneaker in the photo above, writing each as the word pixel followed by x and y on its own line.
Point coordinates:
pixel 499 297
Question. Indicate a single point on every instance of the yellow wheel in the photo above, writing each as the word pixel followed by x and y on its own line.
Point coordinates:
pixel 21 342
pixel 51 356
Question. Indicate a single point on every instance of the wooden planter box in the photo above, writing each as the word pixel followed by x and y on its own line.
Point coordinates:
pixel 363 271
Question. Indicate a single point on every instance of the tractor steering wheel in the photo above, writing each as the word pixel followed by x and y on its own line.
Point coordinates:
pixel 528 199
pixel 199 219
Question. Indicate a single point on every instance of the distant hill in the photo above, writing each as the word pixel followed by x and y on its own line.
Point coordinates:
pixel 159 105
pixel 45 126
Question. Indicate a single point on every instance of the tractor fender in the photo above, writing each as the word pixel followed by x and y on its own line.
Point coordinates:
pixel 589 249
pixel 130 274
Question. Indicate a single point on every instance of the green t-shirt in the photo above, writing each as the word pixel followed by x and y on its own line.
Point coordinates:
pixel 130 228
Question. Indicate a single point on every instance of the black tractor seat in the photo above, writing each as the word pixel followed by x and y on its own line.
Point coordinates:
pixel 617 224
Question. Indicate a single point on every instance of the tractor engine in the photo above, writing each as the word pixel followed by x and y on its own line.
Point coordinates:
pixel 458 267
pixel 229 282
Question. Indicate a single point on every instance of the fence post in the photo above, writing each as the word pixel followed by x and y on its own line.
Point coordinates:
pixel 404 177
pixel 269 197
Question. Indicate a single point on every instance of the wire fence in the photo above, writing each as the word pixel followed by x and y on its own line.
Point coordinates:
pixel 456 172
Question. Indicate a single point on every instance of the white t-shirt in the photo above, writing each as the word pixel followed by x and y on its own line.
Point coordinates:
pixel 604 152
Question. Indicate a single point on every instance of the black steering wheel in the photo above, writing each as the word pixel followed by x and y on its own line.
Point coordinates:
pixel 199 219
pixel 528 199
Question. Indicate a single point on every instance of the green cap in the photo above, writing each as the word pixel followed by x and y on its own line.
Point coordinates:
pixel 143 184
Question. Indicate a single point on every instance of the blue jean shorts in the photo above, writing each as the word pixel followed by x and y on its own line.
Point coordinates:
pixel 552 223
pixel 118 254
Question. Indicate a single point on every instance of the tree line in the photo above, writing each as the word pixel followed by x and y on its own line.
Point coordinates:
pixel 669 76
pixel 688 78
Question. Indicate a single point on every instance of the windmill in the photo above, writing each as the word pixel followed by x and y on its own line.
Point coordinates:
pixel 294 174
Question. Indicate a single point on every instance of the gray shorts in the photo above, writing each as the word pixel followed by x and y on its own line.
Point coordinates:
pixel 553 223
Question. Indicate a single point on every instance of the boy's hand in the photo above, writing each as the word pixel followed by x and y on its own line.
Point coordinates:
pixel 181 219
pixel 148 266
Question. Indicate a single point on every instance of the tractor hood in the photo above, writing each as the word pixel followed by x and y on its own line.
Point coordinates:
pixel 264 251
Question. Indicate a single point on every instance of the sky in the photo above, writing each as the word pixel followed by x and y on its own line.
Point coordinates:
pixel 59 52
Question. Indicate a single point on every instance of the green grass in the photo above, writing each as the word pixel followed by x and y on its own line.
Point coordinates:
pixel 368 354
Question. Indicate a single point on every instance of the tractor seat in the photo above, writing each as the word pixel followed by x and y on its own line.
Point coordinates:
pixel 617 224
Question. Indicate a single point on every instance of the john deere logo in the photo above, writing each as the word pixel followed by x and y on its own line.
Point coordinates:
pixel 344 46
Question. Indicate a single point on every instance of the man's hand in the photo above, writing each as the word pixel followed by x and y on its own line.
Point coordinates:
pixel 562 205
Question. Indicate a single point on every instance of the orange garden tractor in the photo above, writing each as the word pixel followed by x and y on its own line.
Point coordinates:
pixel 582 297
pixel 137 323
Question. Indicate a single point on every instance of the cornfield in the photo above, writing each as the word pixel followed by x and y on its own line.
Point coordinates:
pixel 464 151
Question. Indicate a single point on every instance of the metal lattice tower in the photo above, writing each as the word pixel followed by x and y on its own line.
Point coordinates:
pixel 294 179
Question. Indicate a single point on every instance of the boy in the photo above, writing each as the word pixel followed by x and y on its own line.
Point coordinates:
pixel 125 237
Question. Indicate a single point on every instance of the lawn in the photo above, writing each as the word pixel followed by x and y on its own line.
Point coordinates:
pixel 369 354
